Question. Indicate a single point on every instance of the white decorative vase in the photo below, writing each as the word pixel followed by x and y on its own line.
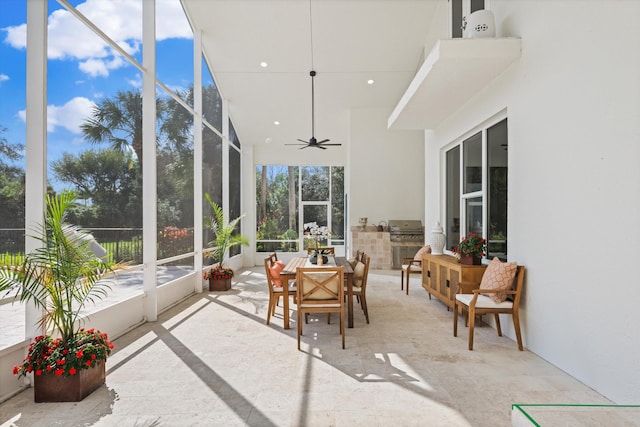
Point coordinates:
pixel 438 240
pixel 363 223
pixel 479 24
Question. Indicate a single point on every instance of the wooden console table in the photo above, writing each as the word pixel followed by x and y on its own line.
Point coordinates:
pixel 441 275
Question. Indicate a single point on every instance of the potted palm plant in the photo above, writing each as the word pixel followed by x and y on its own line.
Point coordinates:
pixel 60 278
pixel 225 238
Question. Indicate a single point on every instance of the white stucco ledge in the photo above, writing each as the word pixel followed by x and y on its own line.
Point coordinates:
pixel 453 72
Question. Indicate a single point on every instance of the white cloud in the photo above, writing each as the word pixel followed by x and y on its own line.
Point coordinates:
pixel 121 20
pixel 69 116
pixel 3 78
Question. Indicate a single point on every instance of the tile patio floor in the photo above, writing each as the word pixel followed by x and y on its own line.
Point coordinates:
pixel 212 361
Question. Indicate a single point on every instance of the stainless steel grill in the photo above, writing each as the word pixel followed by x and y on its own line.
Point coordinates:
pixel 407 236
pixel 406 231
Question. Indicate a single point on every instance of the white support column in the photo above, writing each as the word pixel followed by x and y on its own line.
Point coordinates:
pixel 149 174
pixel 36 145
pixel 197 158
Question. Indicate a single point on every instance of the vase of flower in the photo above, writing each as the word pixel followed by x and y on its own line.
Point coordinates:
pixel 471 249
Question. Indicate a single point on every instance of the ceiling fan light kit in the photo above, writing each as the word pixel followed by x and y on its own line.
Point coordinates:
pixel 313 142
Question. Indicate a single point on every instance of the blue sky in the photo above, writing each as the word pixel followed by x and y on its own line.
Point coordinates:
pixel 82 69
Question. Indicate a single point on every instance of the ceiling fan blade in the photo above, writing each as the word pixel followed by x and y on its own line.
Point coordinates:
pixel 331 145
pixel 302 140
pixel 323 141
pixel 296 144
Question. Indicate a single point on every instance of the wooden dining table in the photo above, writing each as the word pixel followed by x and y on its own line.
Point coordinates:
pixel 289 273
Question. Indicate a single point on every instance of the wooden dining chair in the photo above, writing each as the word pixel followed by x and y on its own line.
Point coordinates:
pixel 359 289
pixel 320 290
pixel 412 266
pixel 272 267
pixel 476 301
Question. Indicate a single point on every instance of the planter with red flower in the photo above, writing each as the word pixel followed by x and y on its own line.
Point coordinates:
pixel 59 278
pixel 471 249
pixel 66 371
pixel 219 278
pixel 225 237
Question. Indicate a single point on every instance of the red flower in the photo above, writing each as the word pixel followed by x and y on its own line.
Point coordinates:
pixel 88 362
pixel 60 362
pixel 38 372
pixel 29 369
pixel 93 356
pixel 15 370
pixel 72 371
pixel 59 372
pixel 79 354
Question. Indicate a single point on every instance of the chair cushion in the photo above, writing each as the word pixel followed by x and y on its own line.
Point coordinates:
pixel 483 301
pixel 353 261
pixel 412 268
pixel 275 270
pixel 423 250
pixel 358 274
pixel 499 276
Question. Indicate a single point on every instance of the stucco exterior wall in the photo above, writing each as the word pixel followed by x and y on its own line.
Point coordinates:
pixel 573 108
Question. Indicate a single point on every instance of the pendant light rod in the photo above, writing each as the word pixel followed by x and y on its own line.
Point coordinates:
pixel 313 103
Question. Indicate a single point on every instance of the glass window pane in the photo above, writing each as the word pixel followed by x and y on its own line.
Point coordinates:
pixel 277 208
pixel 477 5
pixel 472 152
pixel 174 49
pixel 211 99
pixel 453 197
pixel 315 183
pixel 497 186
pixel 211 178
pixel 473 211
pixel 234 194
pixel 233 136
pixel 337 204
pixel 319 215
pixel 174 162
pixel 456 20
pixel 12 139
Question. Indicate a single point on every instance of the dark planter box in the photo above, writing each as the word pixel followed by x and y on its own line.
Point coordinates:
pixel 74 388
pixel 219 284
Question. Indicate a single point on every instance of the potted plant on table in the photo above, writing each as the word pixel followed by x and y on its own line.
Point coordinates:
pixel 225 238
pixel 60 278
pixel 471 249
pixel 317 233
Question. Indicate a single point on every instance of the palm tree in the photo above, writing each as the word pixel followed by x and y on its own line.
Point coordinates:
pixel 118 121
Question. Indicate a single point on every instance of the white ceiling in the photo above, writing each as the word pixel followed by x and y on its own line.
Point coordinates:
pixel 346 42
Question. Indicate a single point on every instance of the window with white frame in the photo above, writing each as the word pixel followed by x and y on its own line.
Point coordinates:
pixel 460 9
pixel 476 171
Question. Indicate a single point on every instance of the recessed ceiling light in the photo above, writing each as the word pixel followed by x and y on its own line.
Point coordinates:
pixel 276 123
pixel 268 140
pixel 263 64
pixel 370 82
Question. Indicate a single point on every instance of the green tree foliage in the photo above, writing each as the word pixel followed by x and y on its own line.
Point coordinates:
pixel 108 181
pixel 12 181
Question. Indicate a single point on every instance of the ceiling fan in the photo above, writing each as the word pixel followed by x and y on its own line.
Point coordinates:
pixel 313 142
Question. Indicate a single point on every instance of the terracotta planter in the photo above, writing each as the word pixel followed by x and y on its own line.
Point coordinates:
pixel 74 388
pixel 219 284
pixel 470 260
